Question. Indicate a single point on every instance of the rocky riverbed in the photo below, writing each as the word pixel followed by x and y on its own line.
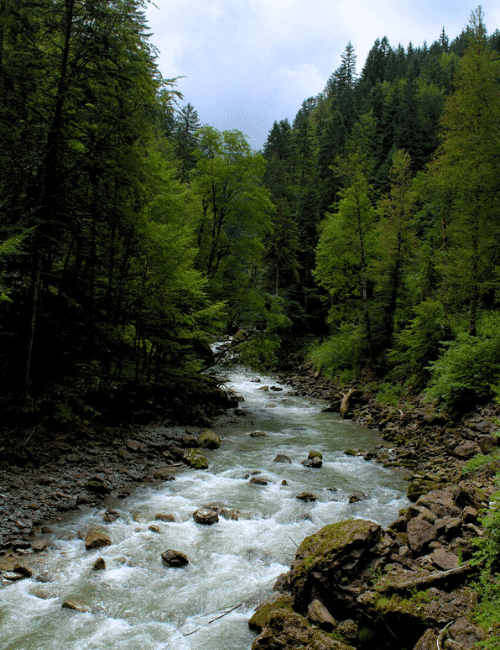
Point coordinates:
pixel 361 587
pixel 357 585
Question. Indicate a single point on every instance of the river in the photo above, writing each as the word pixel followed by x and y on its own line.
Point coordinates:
pixel 138 603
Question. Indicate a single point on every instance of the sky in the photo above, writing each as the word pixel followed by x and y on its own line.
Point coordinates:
pixel 245 63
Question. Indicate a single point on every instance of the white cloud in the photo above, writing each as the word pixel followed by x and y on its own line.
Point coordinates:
pixel 303 79
pixel 250 62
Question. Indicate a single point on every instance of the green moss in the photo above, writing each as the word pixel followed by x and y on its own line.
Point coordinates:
pixel 316 550
pixel 263 613
pixel 195 459
pixel 365 635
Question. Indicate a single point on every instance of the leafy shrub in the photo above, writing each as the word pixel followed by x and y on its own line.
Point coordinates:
pixel 418 344
pixel 343 351
pixel 467 373
pixel 480 462
pixel 487 557
pixel 389 394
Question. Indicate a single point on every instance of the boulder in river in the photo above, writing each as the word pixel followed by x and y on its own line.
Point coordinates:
pixel 75 605
pixel 99 564
pixel 208 439
pixel 258 434
pixel 195 459
pixel 174 559
pixel 306 496
pixel 330 557
pixel 259 480
pixel 282 458
pixel 205 516
pixel 314 462
pixel 96 539
pixel 165 516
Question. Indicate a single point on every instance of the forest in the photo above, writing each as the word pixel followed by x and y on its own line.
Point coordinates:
pixel 365 233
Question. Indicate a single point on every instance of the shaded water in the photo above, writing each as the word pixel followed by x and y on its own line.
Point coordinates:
pixel 138 603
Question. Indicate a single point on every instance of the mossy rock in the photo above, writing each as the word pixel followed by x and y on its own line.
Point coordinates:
pixel 336 553
pixel 209 440
pixel 314 454
pixel 286 629
pixel 96 539
pixel 195 459
pixel 262 614
pixel 419 487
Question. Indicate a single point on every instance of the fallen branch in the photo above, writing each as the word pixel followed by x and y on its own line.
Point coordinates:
pixel 428 580
pixel 193 632
pixel 225 613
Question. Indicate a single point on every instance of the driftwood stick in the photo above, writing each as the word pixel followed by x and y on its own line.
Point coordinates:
pixel 225 613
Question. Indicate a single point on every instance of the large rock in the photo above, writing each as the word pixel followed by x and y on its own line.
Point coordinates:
pixel 319 615
pixel 174 559
pixel 282 458
pixel 285 629
pixel 306 496
pixel 329 558
pixel 408 616
pixel 440 502
pixel 467 449
pixel 420 532
pixel 209 440
pixel 96 539
pixel 195 459
pixel 259 480
pixel 205 516
pixel 76 606
pixel 98 485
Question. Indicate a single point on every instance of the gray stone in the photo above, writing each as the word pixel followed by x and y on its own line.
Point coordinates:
pixel 282 458
pixel 259 480
pixel 443 560
pixel 161 516
pixel 306 496
pixel 319 615
pixel 467 449
pixel 440 502
pixel 76 606
pixel 420 533
pixel 209 440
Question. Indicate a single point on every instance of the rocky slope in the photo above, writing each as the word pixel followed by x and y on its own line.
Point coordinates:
pixel 356 585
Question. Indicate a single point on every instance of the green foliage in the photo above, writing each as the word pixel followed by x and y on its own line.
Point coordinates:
pixel 487 558
pixel 343 351
pixel 418 344
pixel 389 393
pixel 481 462
pixel 466 373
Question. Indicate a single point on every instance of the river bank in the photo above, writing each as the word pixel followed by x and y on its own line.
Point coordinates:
pixel 358 585
pixel 43 478
pixel 432 446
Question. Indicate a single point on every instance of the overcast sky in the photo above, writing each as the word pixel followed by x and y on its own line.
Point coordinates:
pixel 247 63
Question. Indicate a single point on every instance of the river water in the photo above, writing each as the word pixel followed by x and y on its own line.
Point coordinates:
pixel 138 603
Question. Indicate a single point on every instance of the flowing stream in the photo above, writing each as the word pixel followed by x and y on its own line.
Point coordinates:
pixel 138 603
